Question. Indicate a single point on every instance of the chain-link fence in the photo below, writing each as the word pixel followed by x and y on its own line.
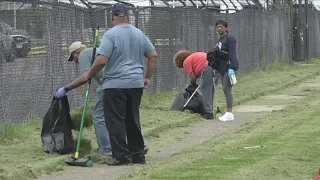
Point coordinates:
pixel 313 34
pixel 35 40
pixel 306 33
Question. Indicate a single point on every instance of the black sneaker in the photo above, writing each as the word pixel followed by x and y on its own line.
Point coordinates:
pixel 115 162
pixel 208 115
pixel 138 160
pixel 146 149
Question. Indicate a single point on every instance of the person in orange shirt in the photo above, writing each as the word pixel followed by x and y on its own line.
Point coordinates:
pixel 196 65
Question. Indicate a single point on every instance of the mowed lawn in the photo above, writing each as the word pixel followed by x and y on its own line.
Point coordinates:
pixel 22 156
pixel 290 140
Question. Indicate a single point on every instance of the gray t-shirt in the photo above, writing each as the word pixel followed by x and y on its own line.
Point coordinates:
pixel 85 59
pixel 126 47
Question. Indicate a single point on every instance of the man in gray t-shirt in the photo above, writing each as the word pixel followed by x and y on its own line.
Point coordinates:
pixel 82 55
pixel 122 52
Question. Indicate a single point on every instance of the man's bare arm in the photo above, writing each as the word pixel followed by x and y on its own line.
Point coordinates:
pixel 151 65
pixel 98 64
pixel 79 81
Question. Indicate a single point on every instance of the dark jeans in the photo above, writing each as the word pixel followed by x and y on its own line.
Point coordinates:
pixel 122 116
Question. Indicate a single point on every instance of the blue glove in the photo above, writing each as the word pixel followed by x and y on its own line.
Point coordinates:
pixel 61 92
pixel 230 72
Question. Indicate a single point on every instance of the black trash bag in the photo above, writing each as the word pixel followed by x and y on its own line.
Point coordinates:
pixel 215 55
pixel 56 134
pixel 195 105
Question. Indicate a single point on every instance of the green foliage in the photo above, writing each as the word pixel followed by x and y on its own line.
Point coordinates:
pixel 10 132
pixel 279 65
pixel 85 146
pixel 313 61
pixel 76 116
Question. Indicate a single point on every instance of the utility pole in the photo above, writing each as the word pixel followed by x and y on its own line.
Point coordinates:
pixel 306 44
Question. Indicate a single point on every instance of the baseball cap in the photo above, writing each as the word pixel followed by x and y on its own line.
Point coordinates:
pixel 119 10
pixel 74 46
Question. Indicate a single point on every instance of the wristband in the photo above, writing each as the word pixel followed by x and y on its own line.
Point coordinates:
pixel 66 89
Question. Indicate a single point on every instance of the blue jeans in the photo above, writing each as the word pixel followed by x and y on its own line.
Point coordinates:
pixel 100 127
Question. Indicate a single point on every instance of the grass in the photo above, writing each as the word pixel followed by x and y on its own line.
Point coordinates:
pixel 21 144
pixel 313 60
pixel 249 86
pixel 290 137
pixel 21 154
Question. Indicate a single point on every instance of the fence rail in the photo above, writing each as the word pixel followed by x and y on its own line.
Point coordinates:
pixel 28 83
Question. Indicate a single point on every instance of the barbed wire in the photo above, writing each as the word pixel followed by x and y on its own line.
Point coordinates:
pixel 224 5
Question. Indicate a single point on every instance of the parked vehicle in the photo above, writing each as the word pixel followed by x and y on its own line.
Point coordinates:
pixel 13 43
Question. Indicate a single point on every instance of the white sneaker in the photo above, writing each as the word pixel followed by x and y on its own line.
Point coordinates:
pixel 228 116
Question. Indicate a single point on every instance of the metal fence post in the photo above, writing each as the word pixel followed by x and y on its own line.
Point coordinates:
pixel 301 45
pixel 136 17
pixel 306 51
pixel 92 22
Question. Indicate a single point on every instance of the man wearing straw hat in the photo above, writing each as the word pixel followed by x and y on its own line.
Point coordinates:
pixel 81 55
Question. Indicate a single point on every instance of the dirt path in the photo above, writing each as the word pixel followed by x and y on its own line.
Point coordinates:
pixel 195 134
